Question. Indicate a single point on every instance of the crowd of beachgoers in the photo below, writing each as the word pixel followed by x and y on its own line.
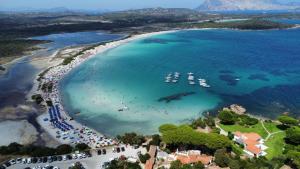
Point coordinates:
pixel 57 121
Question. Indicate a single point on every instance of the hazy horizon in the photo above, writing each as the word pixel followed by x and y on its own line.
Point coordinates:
pixel 112 5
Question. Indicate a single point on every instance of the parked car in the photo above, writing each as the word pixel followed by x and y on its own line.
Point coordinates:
pixel 24 160
pixel 40 160
pixel 7 164
pixel 69 157
pixel 118 149
pixel 59 158
pixel 99 152
pixel 74 156
pixel 19 160
pixel 104 151
pixel 49 160
pixel 44 159
pixel 28 160
pixel 64 157
pixel 12 162
pixel 123 149
pixel 54 158
pixel 34 160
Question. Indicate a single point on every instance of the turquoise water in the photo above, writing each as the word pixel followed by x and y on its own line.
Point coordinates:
pixel 266 62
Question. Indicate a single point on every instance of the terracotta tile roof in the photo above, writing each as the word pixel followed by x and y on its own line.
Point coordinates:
pixel 204 159
pixel 251 140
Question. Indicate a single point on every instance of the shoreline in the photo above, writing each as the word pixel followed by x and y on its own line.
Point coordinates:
pixel 56 72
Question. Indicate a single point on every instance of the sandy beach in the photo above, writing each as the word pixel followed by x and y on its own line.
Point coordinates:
pixel 76 132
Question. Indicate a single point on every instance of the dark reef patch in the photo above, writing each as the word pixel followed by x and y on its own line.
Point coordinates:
pixel 262 77
pixel 173 97
pixel 267 101
pixel 226 71
pixel 231 80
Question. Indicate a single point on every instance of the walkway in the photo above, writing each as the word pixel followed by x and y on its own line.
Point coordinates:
pixel 269 134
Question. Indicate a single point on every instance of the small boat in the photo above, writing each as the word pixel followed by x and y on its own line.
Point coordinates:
pixel 203 83
pixel 192 82
pixel 174 80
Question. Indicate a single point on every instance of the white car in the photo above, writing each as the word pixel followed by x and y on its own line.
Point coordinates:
pixel 24 161
pixel 12 162
pixel 64 157
pixel 28 160
pixel 74 156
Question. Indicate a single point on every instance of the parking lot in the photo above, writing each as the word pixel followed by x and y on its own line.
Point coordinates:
pixel 96 159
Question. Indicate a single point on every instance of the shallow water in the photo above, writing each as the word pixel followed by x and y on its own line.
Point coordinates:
pixel 18 81
pixel 258 69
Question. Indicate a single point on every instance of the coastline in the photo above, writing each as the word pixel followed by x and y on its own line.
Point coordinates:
pixel 56 72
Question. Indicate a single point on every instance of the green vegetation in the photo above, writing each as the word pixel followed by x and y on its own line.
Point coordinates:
pixel 82 147
pixel 47 87
pixel 276 145
pixel 293 135
pixel 122 164
pixel 155 140
pixel 178 165
pixel 258 128
pixel 184 135
pixel 37 98
pixel 252 24
pixel 77 165
pixel 229 118
pixel 35 151
pixel 288 121
pixel 132 139
pixel 203 122
pixel 17 47
pixel 144 158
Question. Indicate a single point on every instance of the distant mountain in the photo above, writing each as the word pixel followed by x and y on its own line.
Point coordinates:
pixel 235 5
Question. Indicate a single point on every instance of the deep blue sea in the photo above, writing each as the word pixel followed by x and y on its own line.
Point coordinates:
pixel 259 70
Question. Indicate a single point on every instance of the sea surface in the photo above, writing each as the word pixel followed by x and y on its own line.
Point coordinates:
pixel 259 70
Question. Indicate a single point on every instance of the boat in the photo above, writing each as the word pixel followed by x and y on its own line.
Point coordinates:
pixel 203 83
pixel 191 82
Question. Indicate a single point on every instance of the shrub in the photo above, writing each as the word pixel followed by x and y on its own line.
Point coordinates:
pixel 82 147
pixel 144 158
pixel 131 138
pixel 63 149
pixel 227 117
pixel 288 121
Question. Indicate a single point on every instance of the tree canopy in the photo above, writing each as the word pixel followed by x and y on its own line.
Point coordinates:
pixel 184 134
pixel 293 135
pixel 227 117
pixel 287 120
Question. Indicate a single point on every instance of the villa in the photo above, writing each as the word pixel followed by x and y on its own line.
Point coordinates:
pixel 252 142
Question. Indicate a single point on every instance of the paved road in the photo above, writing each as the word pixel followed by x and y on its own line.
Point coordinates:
pixel 94 162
